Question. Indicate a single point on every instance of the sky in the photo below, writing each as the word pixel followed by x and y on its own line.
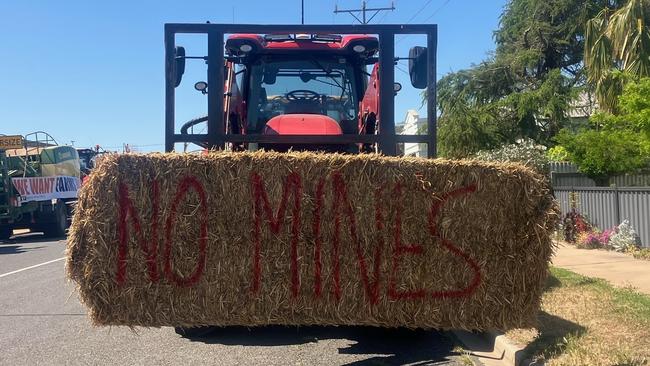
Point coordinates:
pixel 92 72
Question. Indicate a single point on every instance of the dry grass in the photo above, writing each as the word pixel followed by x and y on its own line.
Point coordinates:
pixel 643 253
pixel 585 321
pixel 498 232
pixel 465 357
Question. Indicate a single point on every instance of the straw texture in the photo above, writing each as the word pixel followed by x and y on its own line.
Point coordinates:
pixel 303 238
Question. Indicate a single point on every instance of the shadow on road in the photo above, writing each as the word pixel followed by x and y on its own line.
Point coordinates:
pixel 31 238
pixel 16 249
pixel 385 346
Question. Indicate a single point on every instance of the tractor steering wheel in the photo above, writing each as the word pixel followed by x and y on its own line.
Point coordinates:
pixel 302 95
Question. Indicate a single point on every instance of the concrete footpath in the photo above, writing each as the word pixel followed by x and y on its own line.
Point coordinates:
pixel 617 268
pixel 494 349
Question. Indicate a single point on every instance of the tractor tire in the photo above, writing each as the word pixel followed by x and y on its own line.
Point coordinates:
pixel 57 229
pixel 6 232
pixel 194 332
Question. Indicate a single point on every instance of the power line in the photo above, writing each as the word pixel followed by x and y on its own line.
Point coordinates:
pixel 130 145
pixel 437 11
pixel 402 70
pixel 419 11
pixel 383 17
pixel 363 11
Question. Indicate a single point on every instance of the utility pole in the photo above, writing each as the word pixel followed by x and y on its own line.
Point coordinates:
pixel 364 9
pixel 303 12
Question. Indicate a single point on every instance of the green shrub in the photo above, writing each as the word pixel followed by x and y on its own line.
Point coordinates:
pixel 604 153
pixel 643 253
pixel 557 153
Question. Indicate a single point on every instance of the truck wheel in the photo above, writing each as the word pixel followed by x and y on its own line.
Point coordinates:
pixel 194 332
pixel 57 228
pixel 6 232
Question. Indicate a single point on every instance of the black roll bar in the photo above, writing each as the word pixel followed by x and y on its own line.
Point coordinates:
pixel 216 138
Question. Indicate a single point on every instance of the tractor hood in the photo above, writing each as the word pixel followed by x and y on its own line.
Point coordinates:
pixel 302 124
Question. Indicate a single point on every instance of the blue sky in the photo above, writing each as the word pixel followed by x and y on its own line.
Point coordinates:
pixel 92 71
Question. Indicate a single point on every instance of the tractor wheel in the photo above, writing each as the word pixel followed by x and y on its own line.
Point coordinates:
pixel 6 232
pixel 194 332
pixel 57 228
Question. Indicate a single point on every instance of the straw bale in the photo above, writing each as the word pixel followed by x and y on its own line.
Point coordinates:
pixel 302 238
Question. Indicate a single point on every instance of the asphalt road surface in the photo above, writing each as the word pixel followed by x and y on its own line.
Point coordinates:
pixel 43 323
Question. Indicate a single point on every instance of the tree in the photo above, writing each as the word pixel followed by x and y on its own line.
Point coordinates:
pixel 525 89
pixel 542 36
pixel 461 137
pixel 633 110
pixel 468 122
pixel 601 154
pixel 557 153
pixel 617 41
pixel 635 106
pixel 617 143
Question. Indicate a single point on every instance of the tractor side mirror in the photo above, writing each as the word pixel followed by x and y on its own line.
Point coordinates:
pixel 271 75
pixel 418 67
pixel 179 65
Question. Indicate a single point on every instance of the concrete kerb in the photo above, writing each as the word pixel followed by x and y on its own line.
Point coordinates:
pixel 492 348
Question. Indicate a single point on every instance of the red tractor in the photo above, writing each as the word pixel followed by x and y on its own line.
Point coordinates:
pixel 301 87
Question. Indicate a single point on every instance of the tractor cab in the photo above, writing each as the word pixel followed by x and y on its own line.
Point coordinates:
pixel 301 84
pixel 295 90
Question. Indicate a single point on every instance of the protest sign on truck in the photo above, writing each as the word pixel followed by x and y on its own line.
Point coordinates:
pixel 46 188
pixel 39 183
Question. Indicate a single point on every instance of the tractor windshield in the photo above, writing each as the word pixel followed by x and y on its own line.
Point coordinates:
pixel 310 86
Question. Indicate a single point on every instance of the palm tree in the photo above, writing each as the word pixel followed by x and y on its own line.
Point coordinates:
pixel 617 46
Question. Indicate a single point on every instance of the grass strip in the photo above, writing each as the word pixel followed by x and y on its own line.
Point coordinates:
pixel 587 321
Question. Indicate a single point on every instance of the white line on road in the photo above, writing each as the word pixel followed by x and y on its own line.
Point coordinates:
pixel 30 267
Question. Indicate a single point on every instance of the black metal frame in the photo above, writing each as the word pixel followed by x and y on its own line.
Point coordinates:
pixel 216 138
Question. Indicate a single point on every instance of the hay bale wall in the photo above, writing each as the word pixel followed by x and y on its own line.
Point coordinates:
pixel 301 238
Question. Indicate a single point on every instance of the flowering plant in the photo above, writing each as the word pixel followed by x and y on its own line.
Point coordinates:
pixel 574 225
pixel 591 240
pixel 624 238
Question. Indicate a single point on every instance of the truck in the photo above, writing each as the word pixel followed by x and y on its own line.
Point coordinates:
pixel 39 182
pixel 87 159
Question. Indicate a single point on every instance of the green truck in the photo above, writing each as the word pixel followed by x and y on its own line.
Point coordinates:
pixel 39 184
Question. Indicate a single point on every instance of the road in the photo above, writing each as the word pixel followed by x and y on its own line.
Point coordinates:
pixel 43 322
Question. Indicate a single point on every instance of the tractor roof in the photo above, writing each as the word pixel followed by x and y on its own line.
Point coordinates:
pixel 244 44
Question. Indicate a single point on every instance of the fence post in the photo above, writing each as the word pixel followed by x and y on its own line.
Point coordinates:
pixel 617 206
pixel 552 176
